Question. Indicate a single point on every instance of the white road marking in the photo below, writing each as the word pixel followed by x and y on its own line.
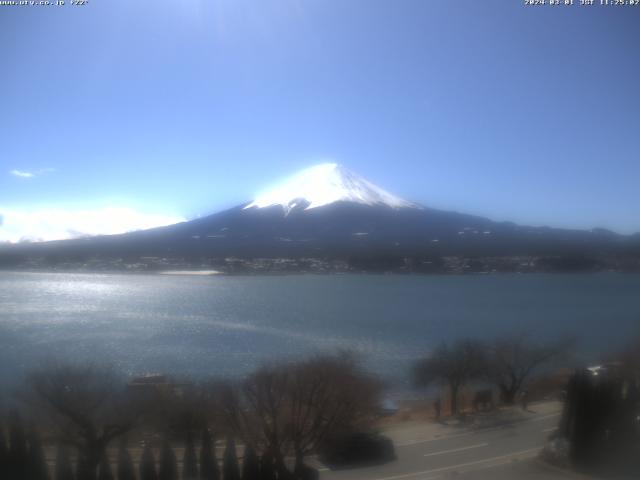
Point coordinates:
pixel 478 445
pixel 547 430
pixel 460 465
pixel 544 417
pixel 435 439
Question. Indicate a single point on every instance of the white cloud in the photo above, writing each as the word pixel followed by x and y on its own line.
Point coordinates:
pixel 22 173
pixel 58 224
pixel 28 174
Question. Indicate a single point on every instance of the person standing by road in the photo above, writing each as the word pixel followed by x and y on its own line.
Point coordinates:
pixel 524 399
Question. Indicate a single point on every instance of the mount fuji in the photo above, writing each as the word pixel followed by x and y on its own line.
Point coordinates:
pixel 329 212
pixel 325 184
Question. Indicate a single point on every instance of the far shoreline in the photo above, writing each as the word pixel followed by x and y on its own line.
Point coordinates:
pixel 189 272
pixel 276 273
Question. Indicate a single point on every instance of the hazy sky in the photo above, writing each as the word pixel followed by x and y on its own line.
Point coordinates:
pixel 122 114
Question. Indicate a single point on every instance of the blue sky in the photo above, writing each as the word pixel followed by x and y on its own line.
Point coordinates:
pixel 161 110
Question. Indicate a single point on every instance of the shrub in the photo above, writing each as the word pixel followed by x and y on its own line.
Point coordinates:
pixel 230 468
pixel 250 464
pixel 125 464
pixel 36 463
pixel 190 460
pixel 208 463
pixel 104 467
pixel 148 465
pixel 168 464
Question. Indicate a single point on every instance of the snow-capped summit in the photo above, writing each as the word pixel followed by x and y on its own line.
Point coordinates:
pixel 325 184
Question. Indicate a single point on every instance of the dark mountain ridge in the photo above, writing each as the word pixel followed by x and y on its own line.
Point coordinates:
pixel 340 230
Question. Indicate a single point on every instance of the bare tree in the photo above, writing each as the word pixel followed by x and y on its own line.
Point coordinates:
pixel 147 464
pixel 125 467
pixel 168 469
pixel 4 454
pixel 240 416
pixel 230 467
pixel 296 406
pixel 629 358
pixel 104 469
pixel 250 464
pixel 87 408
pixel 451 365
pixel 18 455
pixel 63 469
pixel 326 395
pixel 178 411
pixel 36 464
pixel 511 361
pixel 190 459
pixel 208 463
pixel 187 409
pixel 265 393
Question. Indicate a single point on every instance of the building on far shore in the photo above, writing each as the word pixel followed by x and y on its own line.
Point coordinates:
pixel 153 384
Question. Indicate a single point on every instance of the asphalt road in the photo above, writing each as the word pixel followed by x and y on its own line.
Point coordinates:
pixel 506 451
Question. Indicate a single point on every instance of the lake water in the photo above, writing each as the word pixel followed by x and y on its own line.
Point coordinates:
pixel 227 325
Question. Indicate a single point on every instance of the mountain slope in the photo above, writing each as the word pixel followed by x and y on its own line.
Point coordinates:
pixel 330 212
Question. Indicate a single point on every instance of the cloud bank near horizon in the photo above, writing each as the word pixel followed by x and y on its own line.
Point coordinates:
pixel 58 224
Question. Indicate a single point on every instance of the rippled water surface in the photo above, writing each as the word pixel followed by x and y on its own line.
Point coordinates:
pixel 227 325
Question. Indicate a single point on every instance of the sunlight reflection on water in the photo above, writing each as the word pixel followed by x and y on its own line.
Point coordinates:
pixel 228 325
